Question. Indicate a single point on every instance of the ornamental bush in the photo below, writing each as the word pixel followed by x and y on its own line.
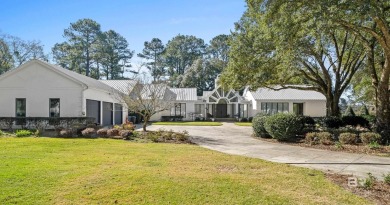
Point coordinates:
pixel 347 138
pixel 258 125
pixel 102 132
pixel 112 132
pixel 89 132
pixel 369 137
pixel 283 126
pixel 23 133
pixel 325 138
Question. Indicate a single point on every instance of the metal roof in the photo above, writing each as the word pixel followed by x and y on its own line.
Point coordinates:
pixel 286 94
pixel 124 86
pixel 185 94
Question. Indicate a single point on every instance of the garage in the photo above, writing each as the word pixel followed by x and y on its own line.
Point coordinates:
pixel 107 114
pixel 118 114
pixel 93 110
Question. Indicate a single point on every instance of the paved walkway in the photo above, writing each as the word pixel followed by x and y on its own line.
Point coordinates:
pixel 237 140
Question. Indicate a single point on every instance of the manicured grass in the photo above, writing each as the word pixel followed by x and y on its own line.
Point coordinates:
pixel 104 171
pixel 196 123
pixel 247 124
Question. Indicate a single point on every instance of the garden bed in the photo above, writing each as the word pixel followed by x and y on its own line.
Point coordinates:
pixel 359 148
pixel 378 193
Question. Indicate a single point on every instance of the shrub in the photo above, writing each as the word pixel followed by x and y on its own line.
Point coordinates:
pixel 347 138
pixel 307 120
pixel 311 138
pixel 1 133
pixel 370 118
pixel 349 111
pixel 331 122
pixel 112 132
pixel 243 119
pixel 183 136
pixel 125 134
pixel 89 132
pixel 128 126
pixel 250 119
pixel 102 133
pixel 23 133
pixel 386 178
pixel 66 133
pixel 369 182
pixel 368 137
pixel 283 126
pixel 258 125
pixel 354 121
pixel 374 145
pixel 325 138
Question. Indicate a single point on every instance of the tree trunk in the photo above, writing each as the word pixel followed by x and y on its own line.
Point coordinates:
pixel 383 108
pixel 146 120
pixel 332 106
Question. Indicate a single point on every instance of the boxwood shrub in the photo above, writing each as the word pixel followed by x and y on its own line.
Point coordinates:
pixel 283 126
pixel 258 125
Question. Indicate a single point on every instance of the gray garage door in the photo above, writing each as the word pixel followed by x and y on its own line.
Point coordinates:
pixel 107 113
pixel 93 110
pixel 118 114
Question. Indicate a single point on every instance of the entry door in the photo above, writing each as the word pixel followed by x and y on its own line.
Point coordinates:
pixel 298 108
pixel 221 111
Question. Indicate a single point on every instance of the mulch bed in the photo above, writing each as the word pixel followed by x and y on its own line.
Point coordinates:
pixel 383 151
pixel 379 193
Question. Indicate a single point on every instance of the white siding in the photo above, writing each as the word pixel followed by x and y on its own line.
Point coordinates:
pixel 314 108
pixel 38 84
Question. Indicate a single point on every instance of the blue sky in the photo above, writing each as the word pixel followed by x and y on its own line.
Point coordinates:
pixel 137 20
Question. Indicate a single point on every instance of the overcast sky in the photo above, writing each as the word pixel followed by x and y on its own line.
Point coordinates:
pixel 137 20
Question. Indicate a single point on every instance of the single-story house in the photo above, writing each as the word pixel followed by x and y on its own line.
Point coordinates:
pixel 40 89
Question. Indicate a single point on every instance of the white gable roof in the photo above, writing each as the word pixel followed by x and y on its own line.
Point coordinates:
pixel 286 94
pixel 81 79
pixel 185 94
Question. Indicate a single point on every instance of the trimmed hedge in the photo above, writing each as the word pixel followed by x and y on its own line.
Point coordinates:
pixel 258 125
pixel 283 126
pixel 369 137
pixel 354 121
pixel 331 122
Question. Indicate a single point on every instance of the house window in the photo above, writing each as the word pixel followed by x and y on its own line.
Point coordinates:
pixel 54 109
pixel 20 106
pixel 273 108
pixel 179 110
pixel 298 108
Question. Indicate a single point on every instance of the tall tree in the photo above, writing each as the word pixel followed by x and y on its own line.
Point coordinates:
pixel 23 51
pixel 82 35
pixel 153 52
pixel 6 61
pixel 280 46
pixel 114 54
pixel 369 21
pixel 67 56
pixel 219 48
pixel 180 53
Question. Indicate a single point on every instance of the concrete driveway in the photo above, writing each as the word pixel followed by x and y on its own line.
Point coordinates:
pixel 237 140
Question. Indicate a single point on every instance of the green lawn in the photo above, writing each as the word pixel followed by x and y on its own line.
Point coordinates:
pixel 247 124
pixel 184 123
pixel 104 171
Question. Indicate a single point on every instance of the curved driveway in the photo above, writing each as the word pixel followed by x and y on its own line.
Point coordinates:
pixel 237 140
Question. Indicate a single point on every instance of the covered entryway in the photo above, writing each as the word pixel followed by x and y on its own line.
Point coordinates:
pixel 93 110
pixel 221 109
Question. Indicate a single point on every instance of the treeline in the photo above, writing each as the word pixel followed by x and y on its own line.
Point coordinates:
pixel 184 61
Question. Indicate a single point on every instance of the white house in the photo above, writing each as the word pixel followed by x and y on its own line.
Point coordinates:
pixel 39 89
